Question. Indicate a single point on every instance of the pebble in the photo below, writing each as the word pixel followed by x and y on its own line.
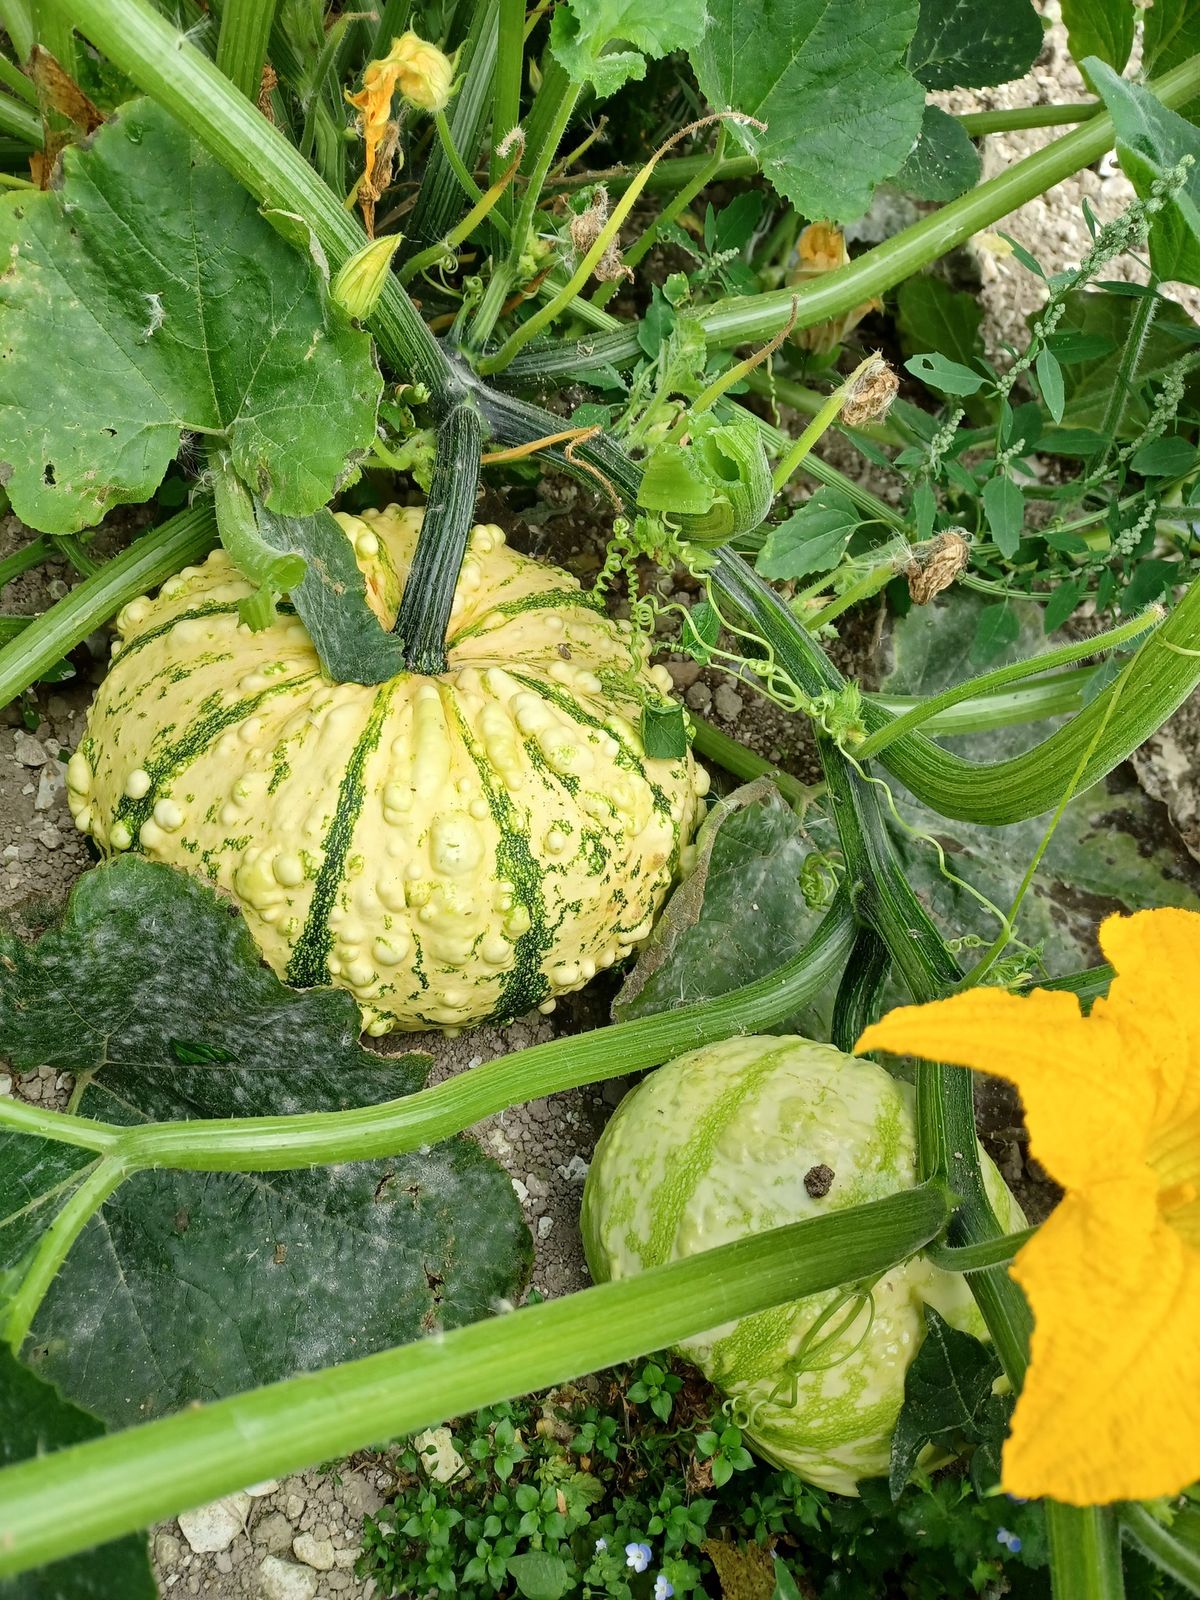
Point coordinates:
pixel 283 1580
pixel 167 1549
pixel 337 1582
pixel 256 1491
pixel 519 1189
pixel 313 1552
pixel 437 1455
pixel 224 1562
pixel 683 673
pixel 545 1226
pixel 699 697
pixel 576 1170
pixel 359 1495
pixel 216 1526
pixel 50 785
pixel 295 1506
pixel 51 838
pixel 728 702
pixel 276 1532
pixel 30 752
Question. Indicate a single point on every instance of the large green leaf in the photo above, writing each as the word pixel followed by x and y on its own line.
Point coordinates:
pixel 1101 28
pixel 961 45
pixel 829 80
pixel 1171 33
pixel 146 298
pixel 33 1421
pixel 605 42
pixel 741 912
pixel 1151 141
pixel 948 1399
pixel 943 163
pixel 191 1285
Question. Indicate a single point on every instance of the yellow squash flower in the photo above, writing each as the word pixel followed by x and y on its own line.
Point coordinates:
pixel 1110 1409
pixel 423 76
pixel 821 248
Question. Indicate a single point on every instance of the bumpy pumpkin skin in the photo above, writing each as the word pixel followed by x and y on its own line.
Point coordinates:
pixel 715 1146
pixel 449 849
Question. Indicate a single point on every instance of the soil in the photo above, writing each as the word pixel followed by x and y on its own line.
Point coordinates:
pixel 298 1539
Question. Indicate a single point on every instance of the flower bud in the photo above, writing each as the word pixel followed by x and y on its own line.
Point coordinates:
pixel 360 282
pixel 423 74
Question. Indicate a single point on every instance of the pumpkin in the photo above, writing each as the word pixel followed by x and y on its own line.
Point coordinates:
pixel 751 1134
pixel 449 849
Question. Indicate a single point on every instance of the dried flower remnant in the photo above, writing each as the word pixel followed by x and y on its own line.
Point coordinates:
pixel 424 76
pixel 935 565
pixel 870 394
pixel 586 228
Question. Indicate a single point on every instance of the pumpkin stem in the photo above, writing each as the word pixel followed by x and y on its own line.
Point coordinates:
pixel 429 592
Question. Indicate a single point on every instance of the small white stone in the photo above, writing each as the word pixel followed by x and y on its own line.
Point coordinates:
pixel 50 785
pixel 519 1189
pixel 216 1526
pixel 437 1455
pixel 29 752
pixel 313 1552
pixel 257 1490
pixel 283 1580
pixel 576 1170
pixel 5 1083
pixel 545 1226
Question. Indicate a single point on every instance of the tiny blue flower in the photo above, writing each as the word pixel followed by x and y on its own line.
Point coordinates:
pixel 601 1544
pixel 1010 1541
pixel 637 1556
pixel 662 1589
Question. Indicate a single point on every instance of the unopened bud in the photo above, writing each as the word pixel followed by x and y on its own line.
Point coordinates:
pixel 870 394
pixel 360 282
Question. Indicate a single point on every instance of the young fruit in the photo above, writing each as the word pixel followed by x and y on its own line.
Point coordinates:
pixel 748 1135
pixel 449 849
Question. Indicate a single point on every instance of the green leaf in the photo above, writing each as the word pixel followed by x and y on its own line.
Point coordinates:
pixel 829 80
pixel 785 1584
pixel 1170 457
pixel 932 316
pixel 947 1397
pixel 1101 28
pixel 998 627
pixel 146 298
pixel 943 163
pixel 950 377
pixel 962 46
pixel 740 913
pixel 34 1420
pixel 332 599
pixel 539 1575
pixel 1099 325
pixel 191 1285
pixel 1062 603
pixel 584 32
pixel 1004 508
pixel 1150 141
pixel 700 632
pixel 664 731
pixel 1050 380
pixel 1171 33
pixel 813 539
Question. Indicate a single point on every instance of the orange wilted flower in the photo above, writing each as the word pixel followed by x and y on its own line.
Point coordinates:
pixel 821 248
pixel 422 74
pixel 1110 1409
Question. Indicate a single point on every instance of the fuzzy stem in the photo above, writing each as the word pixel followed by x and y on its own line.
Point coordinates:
pixel 126 1480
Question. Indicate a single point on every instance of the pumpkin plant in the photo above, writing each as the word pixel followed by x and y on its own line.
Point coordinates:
pixel 295 267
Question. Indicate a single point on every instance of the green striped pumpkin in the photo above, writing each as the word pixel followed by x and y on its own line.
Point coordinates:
pixel 450 849
pixel 718 1145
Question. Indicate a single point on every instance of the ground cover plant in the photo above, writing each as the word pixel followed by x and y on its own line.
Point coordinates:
pixel 307 282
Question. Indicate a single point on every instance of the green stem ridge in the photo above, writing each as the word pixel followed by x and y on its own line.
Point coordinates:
pixel 147 561
pixel 1147 1534
pixel 1085 1552
pixel 242 42
pixel 20 121
pixel 127 1480
pixel 429 590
